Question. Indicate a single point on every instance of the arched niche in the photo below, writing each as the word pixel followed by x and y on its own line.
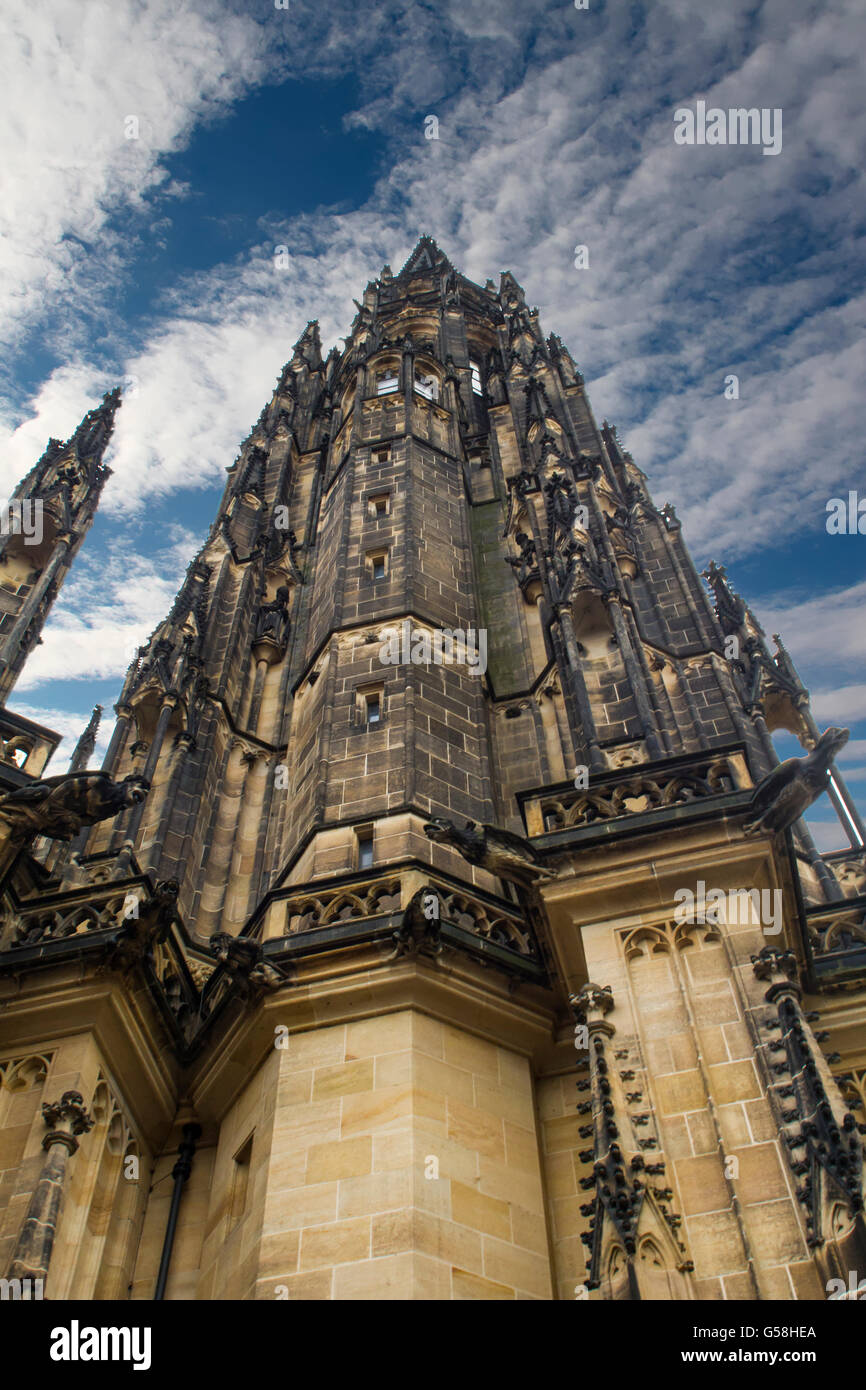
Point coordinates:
pixel 782 715
pixel 592 626
pixel 146 711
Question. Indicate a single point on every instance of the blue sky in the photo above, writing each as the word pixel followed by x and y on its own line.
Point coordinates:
pixel 153 259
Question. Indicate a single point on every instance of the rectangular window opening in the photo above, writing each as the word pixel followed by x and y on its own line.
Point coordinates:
pixel 379 506
pixel 477 388
pixel 377 564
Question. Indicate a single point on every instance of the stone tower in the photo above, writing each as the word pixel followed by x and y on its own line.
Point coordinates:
pixel 451 952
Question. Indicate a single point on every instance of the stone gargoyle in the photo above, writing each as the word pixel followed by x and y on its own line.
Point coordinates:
pixel 789 790
pixel 60 806
pixel 499 851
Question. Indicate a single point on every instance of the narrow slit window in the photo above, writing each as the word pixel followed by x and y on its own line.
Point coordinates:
pixel 373 708
pixel 377 564
pixel 240 1182
pixel 365 847
pixel 477 388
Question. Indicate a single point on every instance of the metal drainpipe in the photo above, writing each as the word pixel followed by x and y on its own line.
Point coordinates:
pixel 180 1172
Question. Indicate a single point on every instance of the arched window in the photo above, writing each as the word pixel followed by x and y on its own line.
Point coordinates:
pixel 387 381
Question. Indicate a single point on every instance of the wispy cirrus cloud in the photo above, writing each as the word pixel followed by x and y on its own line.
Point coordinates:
pixel 109 606
pixel 74 78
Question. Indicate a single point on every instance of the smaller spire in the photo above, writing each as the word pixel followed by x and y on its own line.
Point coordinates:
pixel 87 742
pixel 730 608
pixel 92 436
pixel 510 289
pixel 425 256
pixel 309 345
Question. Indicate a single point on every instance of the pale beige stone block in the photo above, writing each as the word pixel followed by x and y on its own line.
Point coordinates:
pixel 375 1193
pixel 760 1177
pixel 761 1122
pixel 443 1079
pixel 529 1230
pixel 427 1036
pixel 432 1279
pixel 376 1111
pixel 278 1254
pixel 521 1145
pixel 515 1072
pixel 339 1243
pixel 370 1037
pixel 734 1081
pixel 297 1207
pixel 497 1180
pixel 520 1268
pixel 394 1069
pixel 701 1184
pixel 396 1149
pixel 473 1208
pixel 471 1054
pixel 389 1277
pixel 563 1134
pixel 476 1130
pixel 503 1101
pixel 347 1158
pixel 318 1047
pixel 345 1078
pixel 299 1126
pixel 294 1087
pixel 559 1173
pixel 735 1128
pixel 716 1245
pixel 680 1091
pixel 310 1287
pixel 775 1232
pixel 470 1287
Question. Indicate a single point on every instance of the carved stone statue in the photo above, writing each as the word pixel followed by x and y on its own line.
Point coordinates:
pixel 243 962
pixel 272 618
pixel 790 788
pixel 560 502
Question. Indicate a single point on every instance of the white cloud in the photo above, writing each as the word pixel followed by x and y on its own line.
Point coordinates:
pixel 73 74
pixel 110 606
pixel 824 628
pixel 842 706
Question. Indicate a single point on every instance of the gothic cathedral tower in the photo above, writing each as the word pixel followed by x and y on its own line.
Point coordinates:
pixel 450 953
